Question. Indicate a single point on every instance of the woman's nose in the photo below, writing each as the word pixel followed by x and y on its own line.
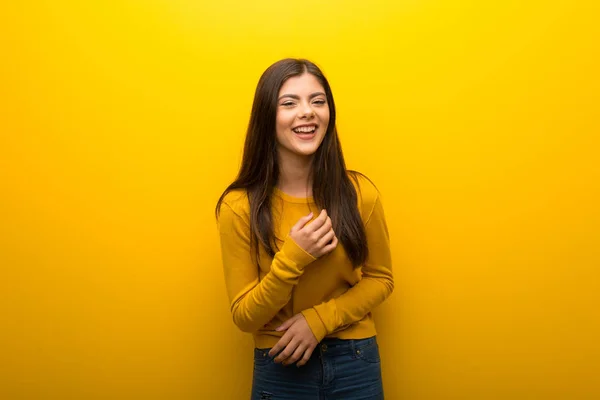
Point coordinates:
pixel 307 111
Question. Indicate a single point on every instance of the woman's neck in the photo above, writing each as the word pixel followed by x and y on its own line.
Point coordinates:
pixel 295 177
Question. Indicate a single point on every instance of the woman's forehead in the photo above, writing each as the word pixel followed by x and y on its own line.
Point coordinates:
pixel 304 84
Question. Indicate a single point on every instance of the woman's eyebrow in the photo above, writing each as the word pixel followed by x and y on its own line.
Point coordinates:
pixel 295 96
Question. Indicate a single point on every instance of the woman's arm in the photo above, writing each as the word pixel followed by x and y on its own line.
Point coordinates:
pixel 254 303
pixel 376 285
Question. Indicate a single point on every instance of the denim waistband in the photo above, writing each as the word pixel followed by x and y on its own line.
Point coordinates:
pixel 335 345
pixel 331 347
pixel 339 346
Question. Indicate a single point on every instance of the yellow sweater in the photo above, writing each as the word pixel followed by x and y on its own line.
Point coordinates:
pixel 335 298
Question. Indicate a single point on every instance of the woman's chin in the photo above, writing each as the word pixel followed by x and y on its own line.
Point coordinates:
pixel 301 149
pixel 307 148
pixel 306 151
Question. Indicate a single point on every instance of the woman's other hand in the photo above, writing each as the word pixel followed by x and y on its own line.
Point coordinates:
pixel 297 344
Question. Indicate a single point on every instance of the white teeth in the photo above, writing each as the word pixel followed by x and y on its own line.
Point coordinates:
pixel 305 129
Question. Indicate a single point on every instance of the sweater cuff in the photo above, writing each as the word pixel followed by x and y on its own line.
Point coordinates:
pixel 296 253
pixel 314 322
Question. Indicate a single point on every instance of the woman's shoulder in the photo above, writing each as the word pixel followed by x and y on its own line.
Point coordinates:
pixel 366 191
pixel 237 201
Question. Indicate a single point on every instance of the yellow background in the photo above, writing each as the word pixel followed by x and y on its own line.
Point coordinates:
pixel 122 121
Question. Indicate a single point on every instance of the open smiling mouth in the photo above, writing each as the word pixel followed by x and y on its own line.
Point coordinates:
pixel 305 132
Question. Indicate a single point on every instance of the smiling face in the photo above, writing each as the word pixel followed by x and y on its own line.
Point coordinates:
pixel 302 116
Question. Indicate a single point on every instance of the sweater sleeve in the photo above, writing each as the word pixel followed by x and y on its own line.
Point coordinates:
pixel 376 285
pixel 254 302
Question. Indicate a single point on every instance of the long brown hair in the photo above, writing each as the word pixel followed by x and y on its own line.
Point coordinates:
pixel 332 188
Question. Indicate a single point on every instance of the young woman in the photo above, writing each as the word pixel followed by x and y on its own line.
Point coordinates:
pixel 305 246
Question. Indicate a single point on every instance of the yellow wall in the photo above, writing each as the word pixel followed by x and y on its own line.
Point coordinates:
pixel 122 121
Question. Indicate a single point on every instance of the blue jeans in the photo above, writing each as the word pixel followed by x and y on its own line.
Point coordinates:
pixel 337 369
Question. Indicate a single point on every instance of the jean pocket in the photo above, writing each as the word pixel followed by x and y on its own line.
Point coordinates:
pixel 367 351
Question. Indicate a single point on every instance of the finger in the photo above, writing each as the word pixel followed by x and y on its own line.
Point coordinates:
pixel 330 247
pixel 285 339
pixel 317 222
pixel 306 356
pixel 288 351
pixel 284 326
pixel 287 323
pixel 301 222
pixel 326 227
pixel 327 237
pixel 296 356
